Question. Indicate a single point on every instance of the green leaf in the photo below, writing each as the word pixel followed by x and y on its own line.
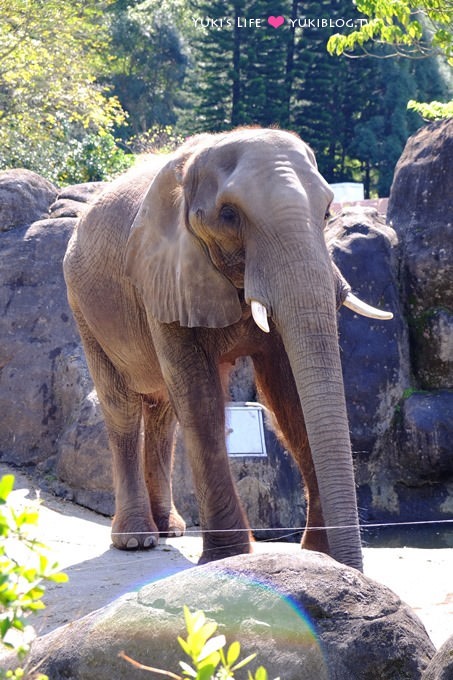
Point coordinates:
pixel 233 653
pixel 5 625
pixel 188 670
pixel 6 486
pixel 261 673
pixel 193 621
pixel 59 577
pixel 207 630
pixel 211 646
pixel 186 648
pixel 244 662
pixel 206 673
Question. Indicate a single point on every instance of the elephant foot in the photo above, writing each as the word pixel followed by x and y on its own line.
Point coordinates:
pixel 219 552
pixel 315 540
pixel 171 524
pixel 134 534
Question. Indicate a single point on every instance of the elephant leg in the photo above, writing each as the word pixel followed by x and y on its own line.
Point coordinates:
pixel 277 390
pixel 133 526
pixel 159 431
pixel 194 385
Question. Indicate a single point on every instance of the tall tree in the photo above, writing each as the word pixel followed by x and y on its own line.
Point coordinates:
pixel 49 98
pixel 240 74
pixel 327 99
pixel 353 112
pixel 147 61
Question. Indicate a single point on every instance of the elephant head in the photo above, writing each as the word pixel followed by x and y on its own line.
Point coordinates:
pixel 240 217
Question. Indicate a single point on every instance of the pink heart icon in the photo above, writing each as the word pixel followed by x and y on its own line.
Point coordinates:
pixel 276 21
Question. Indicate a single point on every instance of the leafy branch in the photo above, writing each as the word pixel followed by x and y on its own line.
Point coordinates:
pixel 414 28
pixel 24 564
pixel 206 652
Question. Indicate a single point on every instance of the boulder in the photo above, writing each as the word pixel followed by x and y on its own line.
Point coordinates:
pixel 441 665
pixel 411 474
pixel 38 333
pixel 420 211
pixel 304 615
pixel 24 198
pixel 35 326
pixel 72 201
pixel 432 347
pixel 421 188
pixel 423 429
pixel 374 353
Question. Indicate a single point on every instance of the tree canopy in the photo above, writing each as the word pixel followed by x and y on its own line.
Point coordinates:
pixel 50 100
pixel 85 84
pixel 414 28
pixel 352 112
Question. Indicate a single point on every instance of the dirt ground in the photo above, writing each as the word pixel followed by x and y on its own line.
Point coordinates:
pixel 80 541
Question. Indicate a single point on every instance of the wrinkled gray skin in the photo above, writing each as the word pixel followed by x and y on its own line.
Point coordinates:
pixel 161 273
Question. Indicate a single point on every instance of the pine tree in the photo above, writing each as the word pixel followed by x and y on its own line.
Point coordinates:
pixel 325 102
pixel 239 72
pixel 385 123
pixel 353 112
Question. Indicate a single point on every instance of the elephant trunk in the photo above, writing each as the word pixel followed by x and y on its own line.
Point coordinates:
pixel 303 308
pixel 315 363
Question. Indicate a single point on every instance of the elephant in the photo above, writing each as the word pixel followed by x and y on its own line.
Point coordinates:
pixel 185 263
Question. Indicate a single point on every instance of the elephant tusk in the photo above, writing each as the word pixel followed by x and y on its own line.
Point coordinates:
pixel 354 303
pixel 259 313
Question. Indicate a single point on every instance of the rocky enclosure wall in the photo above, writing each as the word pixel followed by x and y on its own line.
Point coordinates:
pixel 398 374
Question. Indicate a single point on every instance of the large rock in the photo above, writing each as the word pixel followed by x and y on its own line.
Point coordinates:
pixel 304 615
pixel 374 353
pixel 24 198
pixel 441 665
pixel 420 211
pixel 413 476
pixel 412 471
pixel 424 426
pixel 36 326
pixel 72 201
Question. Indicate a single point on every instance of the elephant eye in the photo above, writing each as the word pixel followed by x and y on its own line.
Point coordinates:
pixel 228 214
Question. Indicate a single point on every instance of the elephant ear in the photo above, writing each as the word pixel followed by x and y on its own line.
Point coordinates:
pixel 169 266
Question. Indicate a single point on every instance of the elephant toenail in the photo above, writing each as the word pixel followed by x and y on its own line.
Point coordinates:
pixel 132 543
pixel 149 542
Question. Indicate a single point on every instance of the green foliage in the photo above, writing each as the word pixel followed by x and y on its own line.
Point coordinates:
pixel 84 84
pixel 49 56
pixel 24 564
pixel 147 61
pixel 207 654
pixel 158 139
pixel 240 76
pixel 413 27
pixel 352 112
pixel 432 110
pixel 94 158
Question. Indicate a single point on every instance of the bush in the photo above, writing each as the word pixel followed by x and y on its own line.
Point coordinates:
pixel 24 564
pixel 206 654
pixel 94 158
pixel 158 139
